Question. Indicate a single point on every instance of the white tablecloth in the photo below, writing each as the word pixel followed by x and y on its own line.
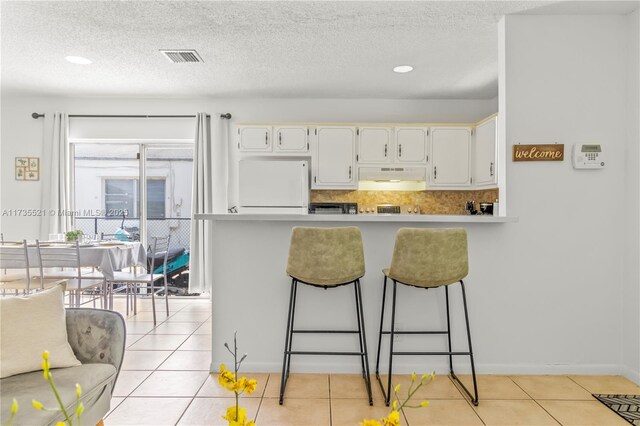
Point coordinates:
pixel 107 258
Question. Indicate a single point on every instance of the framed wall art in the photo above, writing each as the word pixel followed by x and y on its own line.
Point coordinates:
pixel 27 168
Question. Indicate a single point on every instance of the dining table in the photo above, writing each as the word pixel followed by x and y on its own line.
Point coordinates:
pixel 106 256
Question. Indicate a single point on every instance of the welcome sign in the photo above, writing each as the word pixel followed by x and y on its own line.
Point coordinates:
pixel 544 152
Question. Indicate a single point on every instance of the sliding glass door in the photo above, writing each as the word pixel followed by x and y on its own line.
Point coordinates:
pixel 142 189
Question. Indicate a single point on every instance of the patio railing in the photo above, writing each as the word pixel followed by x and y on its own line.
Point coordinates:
pixel 178 228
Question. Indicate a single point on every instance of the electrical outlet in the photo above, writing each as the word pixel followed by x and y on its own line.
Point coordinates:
pixel 398 337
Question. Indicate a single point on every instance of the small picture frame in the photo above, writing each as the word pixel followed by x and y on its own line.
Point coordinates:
pixel 27 168
pixel 20 173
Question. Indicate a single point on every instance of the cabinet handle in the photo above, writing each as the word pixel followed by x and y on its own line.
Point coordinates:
pixel 435 172
pixel 349 172
pixel 491 169
pixel 385 150
pixel 266 138
pixel 315 180
pixel 279 138
pixel 400 150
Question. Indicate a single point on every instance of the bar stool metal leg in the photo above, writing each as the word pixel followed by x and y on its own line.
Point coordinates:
pixel 363 340
pixel 474 399
pixel 387 395
pixel 446 294
pixel 293 317
pixel 384 296
pixel 287 347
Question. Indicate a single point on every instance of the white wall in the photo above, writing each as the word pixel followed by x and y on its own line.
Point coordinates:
pixel 561 296
pixel 631 289
pixel 23 136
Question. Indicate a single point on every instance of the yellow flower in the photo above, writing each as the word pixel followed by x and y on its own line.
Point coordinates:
pixel 424 403
pixel 394 405
pixel 14 407
pixel 250 423
pixel 250 386
pixel 45 364
pixel 424 376
pixel 80 409
pixel 78 390
pixel 226 378
pixel 61 424
pixel 393 419
pixel 36 404
pixel 367 422
pixel 239 418
pixel 396 389
pixel 413 377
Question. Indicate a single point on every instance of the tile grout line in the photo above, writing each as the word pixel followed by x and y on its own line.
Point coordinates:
pixel 129 395
pixel 535 400
pixel 330 402
pixel 467 400
pixel 255 420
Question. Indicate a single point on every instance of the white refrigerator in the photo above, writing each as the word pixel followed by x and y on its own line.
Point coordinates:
pixel 273 186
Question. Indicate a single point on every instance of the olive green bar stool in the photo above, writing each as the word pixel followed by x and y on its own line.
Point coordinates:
pixel 427 258
pixel 326 258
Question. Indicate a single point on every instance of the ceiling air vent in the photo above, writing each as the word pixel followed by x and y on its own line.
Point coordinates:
pixel 181 56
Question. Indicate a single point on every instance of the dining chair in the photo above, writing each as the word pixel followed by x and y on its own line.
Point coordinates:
pixel 135 281
pixel 15 274
pixel 62 262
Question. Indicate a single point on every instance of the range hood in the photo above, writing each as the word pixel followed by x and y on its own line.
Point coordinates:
pixel 392 174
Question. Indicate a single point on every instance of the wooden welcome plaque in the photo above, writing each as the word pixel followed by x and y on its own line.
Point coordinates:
pixel 544 152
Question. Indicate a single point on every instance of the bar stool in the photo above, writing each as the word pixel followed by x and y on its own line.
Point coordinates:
pixel 326 258
pixel 427 258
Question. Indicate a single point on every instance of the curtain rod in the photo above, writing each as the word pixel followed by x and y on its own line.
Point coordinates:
pixel 227 116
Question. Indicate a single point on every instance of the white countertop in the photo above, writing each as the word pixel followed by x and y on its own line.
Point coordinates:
pixel 356 218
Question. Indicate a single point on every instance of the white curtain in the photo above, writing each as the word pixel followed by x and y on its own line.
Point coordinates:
pixel 56 177
pixel 210 180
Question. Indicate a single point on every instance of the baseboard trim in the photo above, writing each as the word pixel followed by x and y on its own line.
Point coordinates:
pixel 305 366
pixel 630 374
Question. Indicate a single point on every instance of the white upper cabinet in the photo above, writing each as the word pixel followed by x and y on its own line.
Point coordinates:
pixel 374 145
pixel 254 138
pixel 291 139
pixel 486 136
pixel 411 144
pixel 334 159
pixel 450 156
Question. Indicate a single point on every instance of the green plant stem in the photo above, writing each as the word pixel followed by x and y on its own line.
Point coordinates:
pixel 411 393
pixel 235 366
pixel 55 392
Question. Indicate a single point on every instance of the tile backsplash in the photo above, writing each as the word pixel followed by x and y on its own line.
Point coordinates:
pixel 430 202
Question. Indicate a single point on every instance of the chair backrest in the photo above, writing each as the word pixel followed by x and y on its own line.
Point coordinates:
pixel 326 256
pixel 65 255
pixel 426 257
pixel 159 250
pixel 15 256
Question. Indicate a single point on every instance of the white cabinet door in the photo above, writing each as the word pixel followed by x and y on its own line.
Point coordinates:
pixel 334 159
pixel 450 156
pixel 254 138
pixel 411 144
pixel 486 139
pixel 374 145
pixel 291 139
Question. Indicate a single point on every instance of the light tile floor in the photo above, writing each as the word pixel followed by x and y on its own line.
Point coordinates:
pixel 165 381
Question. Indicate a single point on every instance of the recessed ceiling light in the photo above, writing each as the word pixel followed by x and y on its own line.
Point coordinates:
pixel 403 68
pixel 78 60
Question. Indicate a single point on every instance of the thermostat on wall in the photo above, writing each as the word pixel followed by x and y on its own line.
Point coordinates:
pixel 587 156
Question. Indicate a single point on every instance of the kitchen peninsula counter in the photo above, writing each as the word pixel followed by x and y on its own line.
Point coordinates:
pixel 397 218
pixel 247 263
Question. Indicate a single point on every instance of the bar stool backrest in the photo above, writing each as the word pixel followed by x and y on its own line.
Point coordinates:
pixel 429 257
pixel 14 256
pixel 326 256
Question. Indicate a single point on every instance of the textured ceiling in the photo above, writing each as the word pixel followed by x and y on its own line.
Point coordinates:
pixel 262 49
